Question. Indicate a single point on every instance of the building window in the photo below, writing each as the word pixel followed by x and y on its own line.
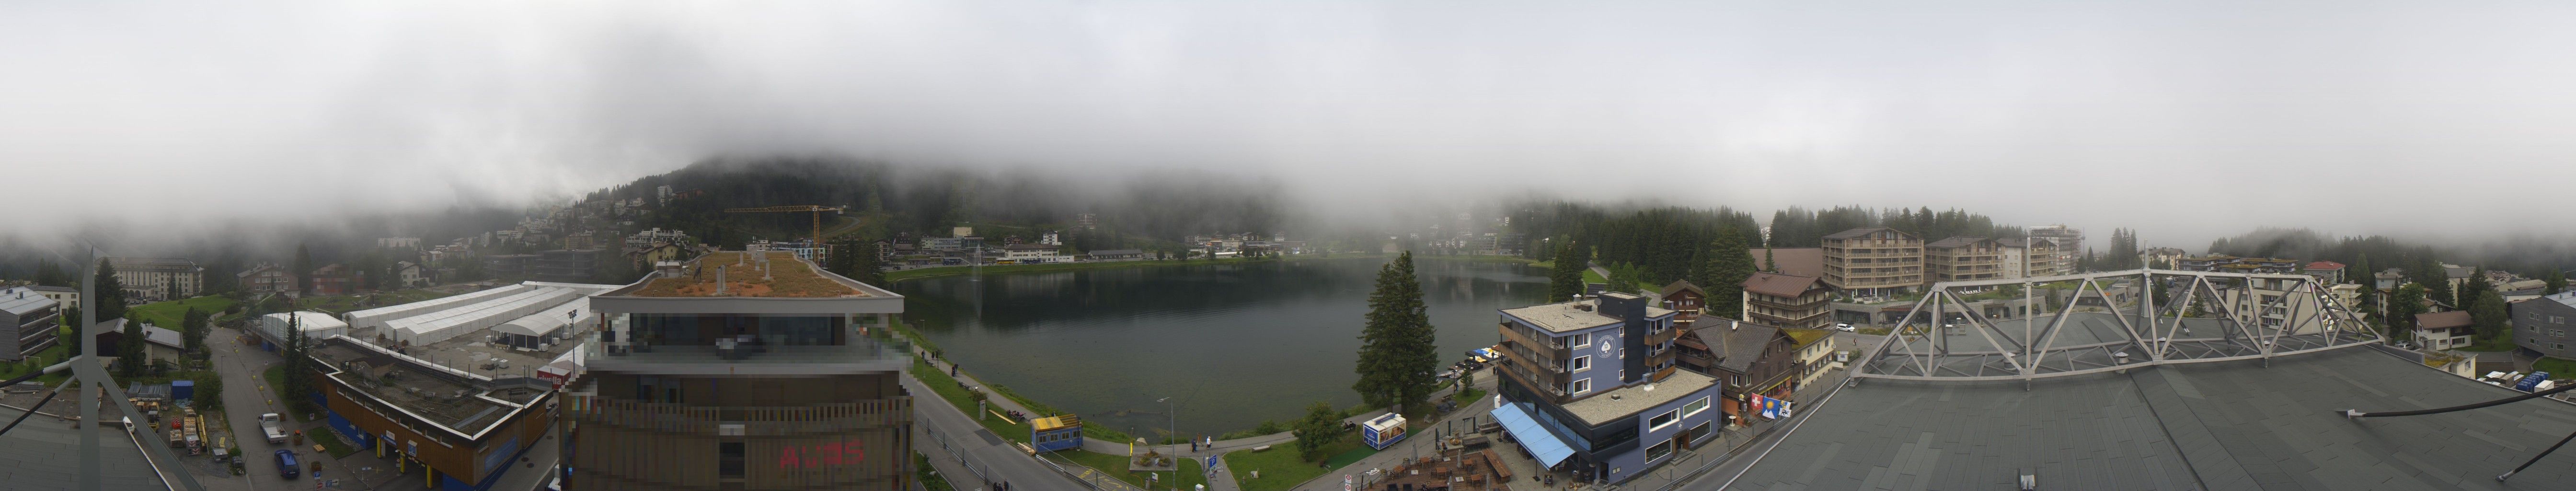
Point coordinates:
pixel 1659 451
pixel 1694 408
pixel 1579 387
pixel 1579 340
pixel 1579 364
pixel 1665 420
pixel 729 459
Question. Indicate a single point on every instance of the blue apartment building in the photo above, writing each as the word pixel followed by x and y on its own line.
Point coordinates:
pixel 1587 387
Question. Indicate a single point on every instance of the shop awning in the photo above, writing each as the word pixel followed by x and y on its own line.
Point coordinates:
pixel 1549 449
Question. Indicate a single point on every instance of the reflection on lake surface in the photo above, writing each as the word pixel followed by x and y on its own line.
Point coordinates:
pixel 1236 344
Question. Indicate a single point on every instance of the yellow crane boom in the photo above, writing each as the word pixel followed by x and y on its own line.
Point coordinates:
pixel 816 209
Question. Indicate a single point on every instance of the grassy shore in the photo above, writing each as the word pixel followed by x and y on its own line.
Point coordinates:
pixel 1281 468
pixel 1114 465
pixel 1481 258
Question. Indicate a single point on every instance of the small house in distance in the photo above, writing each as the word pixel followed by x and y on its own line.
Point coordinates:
pixel 1054 433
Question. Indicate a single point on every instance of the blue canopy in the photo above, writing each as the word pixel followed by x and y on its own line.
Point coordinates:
pixel 1549 449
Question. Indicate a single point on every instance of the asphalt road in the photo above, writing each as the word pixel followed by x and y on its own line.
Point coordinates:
pixel 246 395
pixel 996 455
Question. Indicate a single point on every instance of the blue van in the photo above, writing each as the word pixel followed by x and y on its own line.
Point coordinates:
pixel 286 464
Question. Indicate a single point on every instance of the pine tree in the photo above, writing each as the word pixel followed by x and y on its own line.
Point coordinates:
pixel 2487 313
pixel 1397 350
pixel 1565 277
pixel 72 323
pixel 2435 278
pixel 129 351
pixel 2557 281
pixel 193 329
pixel 2402 307
pixel 296 376
pixel 303 269
pixel 1730 263
pixel 49 273
pixel 2470 291
pixel 1767 263
pixel 111 292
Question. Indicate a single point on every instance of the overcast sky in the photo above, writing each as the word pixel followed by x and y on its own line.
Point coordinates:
pixel 2186 120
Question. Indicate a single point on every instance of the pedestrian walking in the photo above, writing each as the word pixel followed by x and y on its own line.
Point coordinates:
pixel 952 369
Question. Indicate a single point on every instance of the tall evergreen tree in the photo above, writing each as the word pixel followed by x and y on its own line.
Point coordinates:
pixel 194 328
pixel 2469 292
pixel 129 350
pixel 303 269
pixel 111 292
pixel 2557 281
pixel 298 376
pixel 72 326
pixel 2435 278
pixel 1398 353
pixel 1565 277
pixel 2407 301
pixel 1729 264
pixel 49 273
pixel 1768 264
pixel 2487 313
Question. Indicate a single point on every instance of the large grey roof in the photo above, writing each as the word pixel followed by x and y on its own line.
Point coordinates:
pixel 1736 344
pixel 2217 426
pixel 1846 234
pixel 47 456
pixel 2564 298
pixel 1602 408
pixel 22 300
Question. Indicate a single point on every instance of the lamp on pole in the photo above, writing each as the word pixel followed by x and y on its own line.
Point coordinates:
pixel 1171 418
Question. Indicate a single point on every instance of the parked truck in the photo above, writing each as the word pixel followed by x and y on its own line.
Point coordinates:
pixel 274 426
pixel 189 427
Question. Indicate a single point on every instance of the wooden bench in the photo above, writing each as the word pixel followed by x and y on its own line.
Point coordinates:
pixel 1496 462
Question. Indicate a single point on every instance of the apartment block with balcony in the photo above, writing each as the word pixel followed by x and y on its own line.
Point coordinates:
pixel 1583 390
pixel 2210 262
pixel 2069 242
pixel 2276 303
pixel 30 318
pixel 741 370
pixel 1788 300
pixel 2030 257
pixel 1963 259
pixel 1873 260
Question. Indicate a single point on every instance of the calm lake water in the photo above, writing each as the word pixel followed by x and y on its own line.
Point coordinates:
pixel 1236 344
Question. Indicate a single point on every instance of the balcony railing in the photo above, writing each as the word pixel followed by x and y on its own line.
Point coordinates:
pixel 859 352
pixel 822 419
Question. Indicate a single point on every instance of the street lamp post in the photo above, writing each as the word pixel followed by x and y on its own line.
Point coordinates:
pixel 1171 423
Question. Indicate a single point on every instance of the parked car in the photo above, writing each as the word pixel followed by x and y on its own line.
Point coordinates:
pixel 1845 327
pixel 274 426
pixel 286 464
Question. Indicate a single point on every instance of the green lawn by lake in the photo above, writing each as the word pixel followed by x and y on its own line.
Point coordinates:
pixel 1115 465
pixel 1280 467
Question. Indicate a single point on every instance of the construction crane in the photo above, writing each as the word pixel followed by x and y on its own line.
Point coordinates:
pixel 818 215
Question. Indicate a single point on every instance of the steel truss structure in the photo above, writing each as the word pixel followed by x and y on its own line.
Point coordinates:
pixel 2268 315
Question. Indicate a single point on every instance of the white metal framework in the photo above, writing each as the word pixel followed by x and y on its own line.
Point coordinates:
pixel 1949 336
